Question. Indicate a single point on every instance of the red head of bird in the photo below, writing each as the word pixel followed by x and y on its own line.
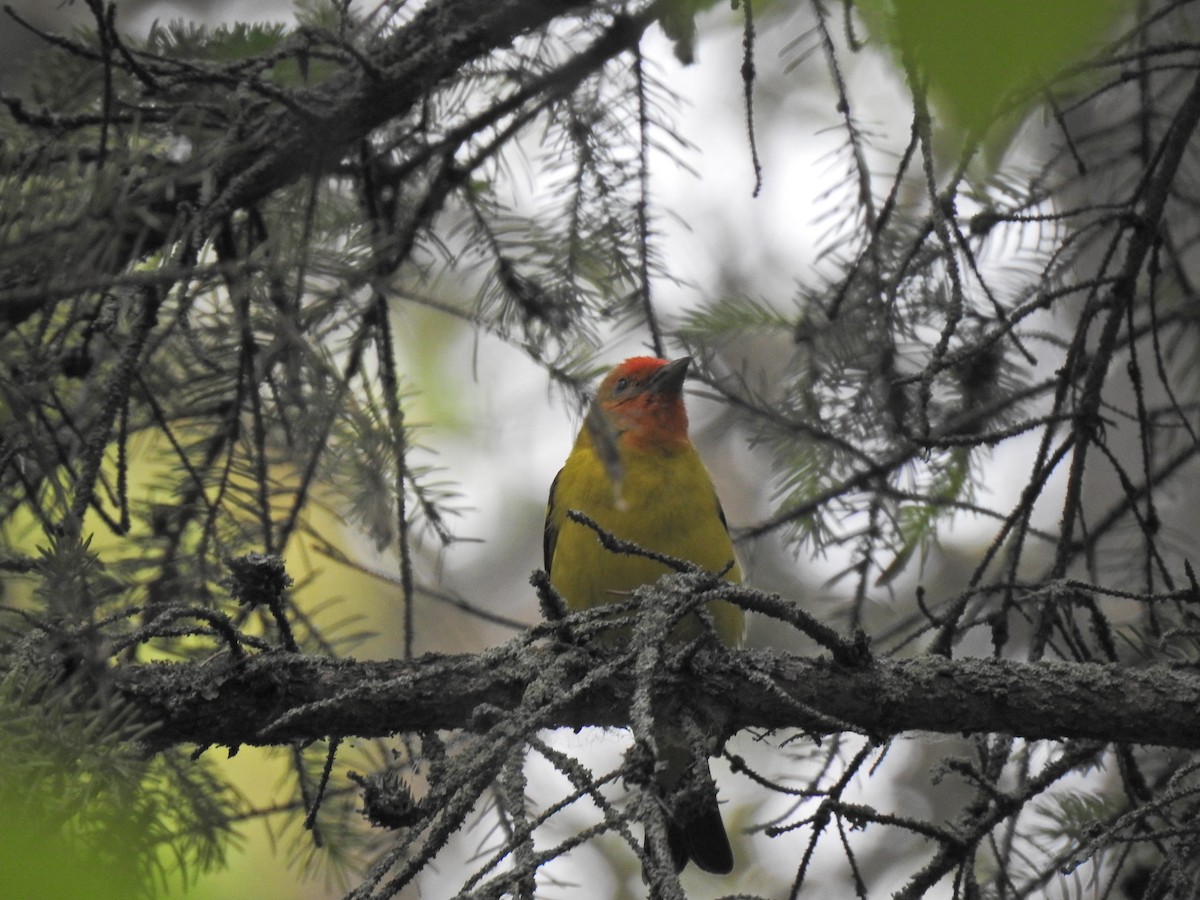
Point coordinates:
pixel 640 405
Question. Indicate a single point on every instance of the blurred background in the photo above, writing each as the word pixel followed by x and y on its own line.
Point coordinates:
pixel 497 430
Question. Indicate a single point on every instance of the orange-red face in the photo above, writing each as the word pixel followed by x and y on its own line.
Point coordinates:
pixel 643 400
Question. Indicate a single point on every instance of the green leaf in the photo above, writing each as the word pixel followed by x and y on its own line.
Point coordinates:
pixel 977 55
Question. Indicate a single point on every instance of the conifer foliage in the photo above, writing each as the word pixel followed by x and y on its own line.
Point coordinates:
pixel 206 234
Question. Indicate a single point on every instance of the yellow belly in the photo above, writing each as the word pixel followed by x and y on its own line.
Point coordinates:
pixel 663 502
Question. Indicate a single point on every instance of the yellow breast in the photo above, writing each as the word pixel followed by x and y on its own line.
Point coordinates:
pixel 660 500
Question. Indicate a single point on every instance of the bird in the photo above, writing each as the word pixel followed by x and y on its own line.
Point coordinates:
pixel 634 472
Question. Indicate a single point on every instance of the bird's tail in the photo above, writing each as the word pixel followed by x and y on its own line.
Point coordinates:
pixel 695 829
pixel 699 835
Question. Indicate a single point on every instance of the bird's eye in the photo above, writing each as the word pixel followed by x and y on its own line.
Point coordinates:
pixel 621 385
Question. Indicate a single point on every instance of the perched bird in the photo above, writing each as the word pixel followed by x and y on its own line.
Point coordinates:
pixel 634 472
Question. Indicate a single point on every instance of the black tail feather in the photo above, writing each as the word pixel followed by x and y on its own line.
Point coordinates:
pixel 701 838
pixel 694 827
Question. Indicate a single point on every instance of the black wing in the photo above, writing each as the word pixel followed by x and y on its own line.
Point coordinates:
pixel 550 534
pixel 720 511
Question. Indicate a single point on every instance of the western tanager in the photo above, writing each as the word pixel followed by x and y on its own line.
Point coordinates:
pixel 634 472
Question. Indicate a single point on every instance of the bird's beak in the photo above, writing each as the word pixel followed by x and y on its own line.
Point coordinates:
pixel 669 379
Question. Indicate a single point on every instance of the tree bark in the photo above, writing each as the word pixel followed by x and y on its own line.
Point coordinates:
pixel 274 698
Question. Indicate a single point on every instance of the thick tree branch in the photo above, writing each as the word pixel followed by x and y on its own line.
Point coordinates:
pixel 278 697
